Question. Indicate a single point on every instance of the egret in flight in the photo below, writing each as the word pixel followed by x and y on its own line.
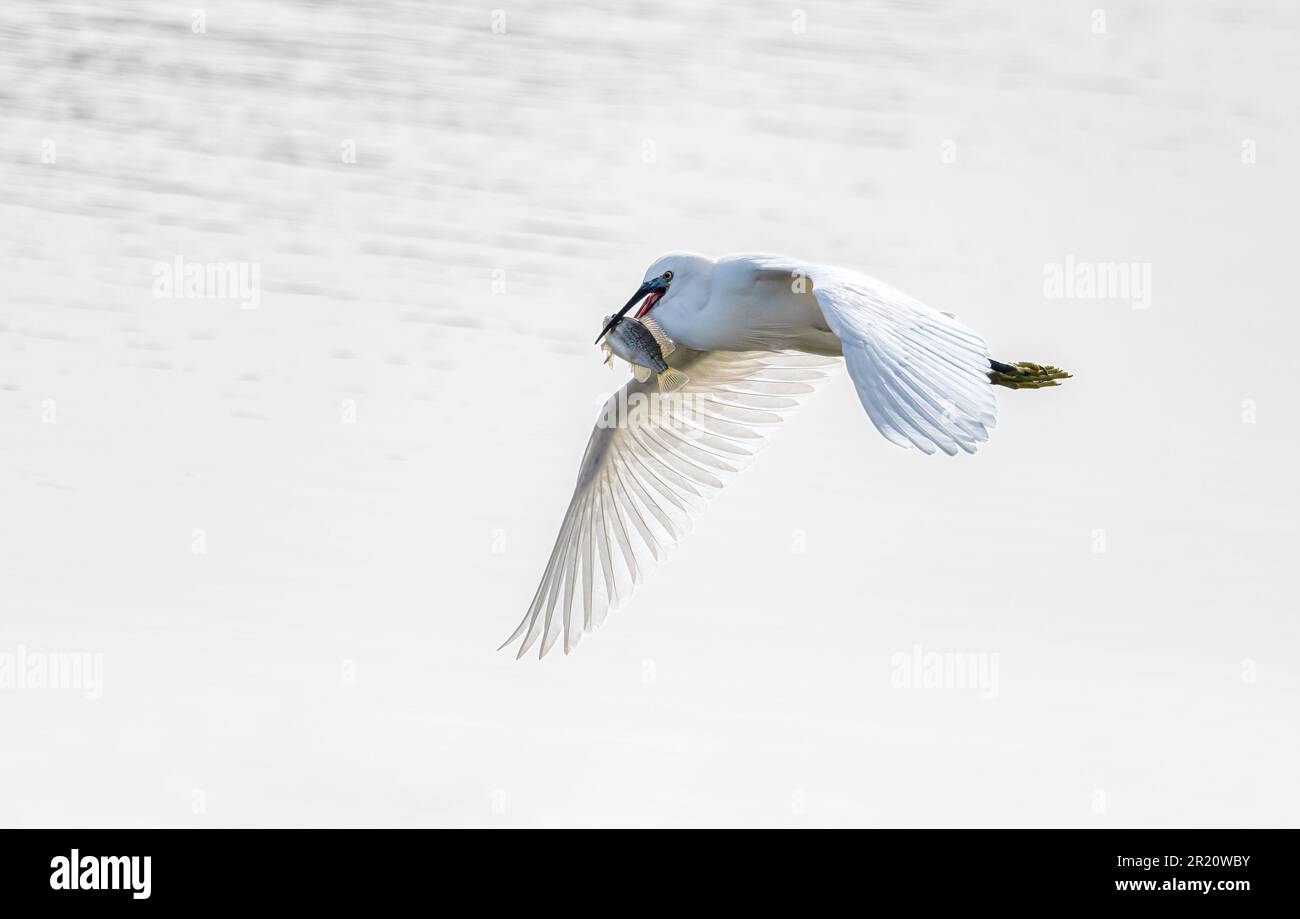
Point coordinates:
pixel 755 335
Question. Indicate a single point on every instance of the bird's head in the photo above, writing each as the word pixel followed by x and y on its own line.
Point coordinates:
pixel 680 275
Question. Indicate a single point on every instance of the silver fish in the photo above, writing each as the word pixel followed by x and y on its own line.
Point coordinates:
pixel 644 345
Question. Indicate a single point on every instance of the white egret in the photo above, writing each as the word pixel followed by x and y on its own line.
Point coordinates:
pixel 755 335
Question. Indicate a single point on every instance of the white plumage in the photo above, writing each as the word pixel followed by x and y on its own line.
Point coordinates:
pixel 644 480
pixel 741 323
pixel 922 376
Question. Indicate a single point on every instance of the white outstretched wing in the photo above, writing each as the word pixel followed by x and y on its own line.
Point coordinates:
pixel 651 466
pixel 922 376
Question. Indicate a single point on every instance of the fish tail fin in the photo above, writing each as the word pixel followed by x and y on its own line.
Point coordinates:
pixel 672 380
pixel 1025 375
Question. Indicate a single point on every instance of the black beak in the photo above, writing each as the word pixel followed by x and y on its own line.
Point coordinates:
pixel 645 289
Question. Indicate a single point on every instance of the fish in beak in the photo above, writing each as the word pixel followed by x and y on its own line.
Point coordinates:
pixel 650 291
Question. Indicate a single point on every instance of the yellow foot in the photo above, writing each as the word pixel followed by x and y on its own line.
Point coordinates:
pixel 1026 375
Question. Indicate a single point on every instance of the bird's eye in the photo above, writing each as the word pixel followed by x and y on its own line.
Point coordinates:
pixel 668 275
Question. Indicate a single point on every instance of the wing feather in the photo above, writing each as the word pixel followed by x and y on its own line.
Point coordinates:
pixel 921 375
pixel 649 470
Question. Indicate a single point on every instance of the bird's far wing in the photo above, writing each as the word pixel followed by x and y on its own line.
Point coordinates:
pixel 651 465
pixel 922 376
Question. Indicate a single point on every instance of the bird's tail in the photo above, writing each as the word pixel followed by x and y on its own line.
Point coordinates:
pixel 1025 375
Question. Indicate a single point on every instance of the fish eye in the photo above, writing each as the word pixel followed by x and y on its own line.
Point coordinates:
pixel 668 275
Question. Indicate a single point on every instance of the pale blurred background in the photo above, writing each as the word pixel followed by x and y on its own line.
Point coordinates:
pixel 372 464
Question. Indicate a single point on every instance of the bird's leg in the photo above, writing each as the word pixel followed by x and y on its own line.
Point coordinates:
pixel 1025 375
